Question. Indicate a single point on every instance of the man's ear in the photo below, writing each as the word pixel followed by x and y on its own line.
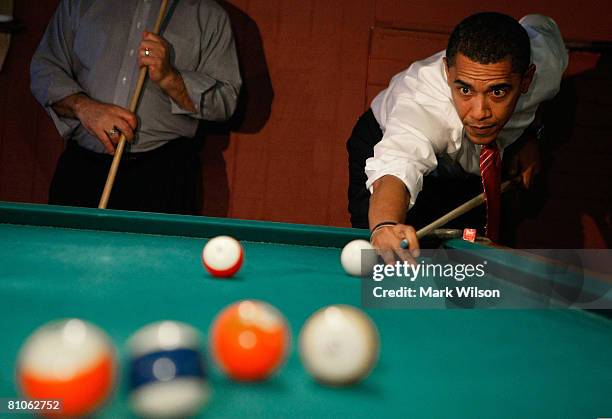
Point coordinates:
pixel 527 78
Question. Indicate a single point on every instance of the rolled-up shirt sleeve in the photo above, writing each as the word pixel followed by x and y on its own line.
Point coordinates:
pixel 51 73
pixel 215 84
pixel 405 151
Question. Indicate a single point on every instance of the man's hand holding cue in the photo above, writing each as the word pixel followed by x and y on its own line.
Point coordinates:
pixel 154 53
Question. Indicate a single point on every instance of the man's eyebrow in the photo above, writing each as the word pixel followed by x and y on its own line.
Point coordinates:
pixel 462 83
pixel 500 86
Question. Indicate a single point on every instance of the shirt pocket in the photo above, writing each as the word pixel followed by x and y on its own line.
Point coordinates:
pixel 184 52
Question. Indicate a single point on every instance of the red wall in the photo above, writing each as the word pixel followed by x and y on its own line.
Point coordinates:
pixel 309 67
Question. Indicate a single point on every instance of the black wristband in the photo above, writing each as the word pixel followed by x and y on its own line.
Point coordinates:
pixel 384 223
pixel 381 225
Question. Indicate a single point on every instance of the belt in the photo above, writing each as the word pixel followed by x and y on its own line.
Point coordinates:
pixel 74 147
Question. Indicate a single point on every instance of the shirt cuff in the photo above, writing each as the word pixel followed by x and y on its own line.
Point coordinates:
pixel 408 174
pixel 196 85
pixel 64 125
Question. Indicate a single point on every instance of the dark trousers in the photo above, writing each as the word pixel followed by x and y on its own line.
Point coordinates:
pixel 166 179
pixel 443 190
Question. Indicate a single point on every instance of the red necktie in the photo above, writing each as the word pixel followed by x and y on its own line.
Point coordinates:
pixel 490 170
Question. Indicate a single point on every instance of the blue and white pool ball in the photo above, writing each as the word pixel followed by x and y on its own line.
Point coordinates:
pixel 167 376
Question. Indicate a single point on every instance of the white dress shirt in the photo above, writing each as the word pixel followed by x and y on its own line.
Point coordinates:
pixel 419 121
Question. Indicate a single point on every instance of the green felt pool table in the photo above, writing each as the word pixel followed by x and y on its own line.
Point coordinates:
pixel 122 270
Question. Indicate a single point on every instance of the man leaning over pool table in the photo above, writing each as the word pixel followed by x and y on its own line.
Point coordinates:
pixel 453 115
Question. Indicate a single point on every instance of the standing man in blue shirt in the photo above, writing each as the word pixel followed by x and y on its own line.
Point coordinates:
pixel 84 73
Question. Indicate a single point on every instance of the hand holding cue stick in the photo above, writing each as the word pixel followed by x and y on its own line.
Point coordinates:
pixel 460 210
pixel 110 180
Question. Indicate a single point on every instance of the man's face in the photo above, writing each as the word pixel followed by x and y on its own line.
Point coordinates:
pixel 485 95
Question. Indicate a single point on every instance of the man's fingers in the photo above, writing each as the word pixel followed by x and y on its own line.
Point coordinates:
pixel 409 234
pixel 127 116
pixel 146 61
pixel 153 63
pixel 388 256
pixel 389 240
pixel 150 43
pixel 106 142
pixel 151 37
pixel 114 137
pixel 149 49
pixel 125 129
pixel 156 48
pixel 405 255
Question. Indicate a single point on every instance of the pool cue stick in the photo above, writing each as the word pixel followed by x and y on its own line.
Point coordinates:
pixel 110 180
pixel 462 209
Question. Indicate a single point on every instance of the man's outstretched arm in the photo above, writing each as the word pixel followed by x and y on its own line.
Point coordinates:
pixel 389 203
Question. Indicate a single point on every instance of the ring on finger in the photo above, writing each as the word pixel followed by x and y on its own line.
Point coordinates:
pixel 147 52
pixel 114 131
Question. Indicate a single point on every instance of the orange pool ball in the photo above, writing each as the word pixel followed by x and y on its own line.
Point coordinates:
pixel 249 340
pixel 71 360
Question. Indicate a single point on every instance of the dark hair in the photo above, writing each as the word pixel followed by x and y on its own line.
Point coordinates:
pixel 488 38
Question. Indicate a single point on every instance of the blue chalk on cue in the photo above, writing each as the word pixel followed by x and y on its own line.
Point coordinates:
pixel 404 244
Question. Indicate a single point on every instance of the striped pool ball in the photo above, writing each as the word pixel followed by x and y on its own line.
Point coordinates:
pixel 167 376
pixel 71 360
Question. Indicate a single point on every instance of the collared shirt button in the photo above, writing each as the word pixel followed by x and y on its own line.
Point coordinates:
pixel 138 25
pixel 131 52
pixel 124 80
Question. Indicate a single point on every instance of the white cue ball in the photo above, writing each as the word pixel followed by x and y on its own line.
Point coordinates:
pixel 222 256
pixel 339 345
pixel 351 258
